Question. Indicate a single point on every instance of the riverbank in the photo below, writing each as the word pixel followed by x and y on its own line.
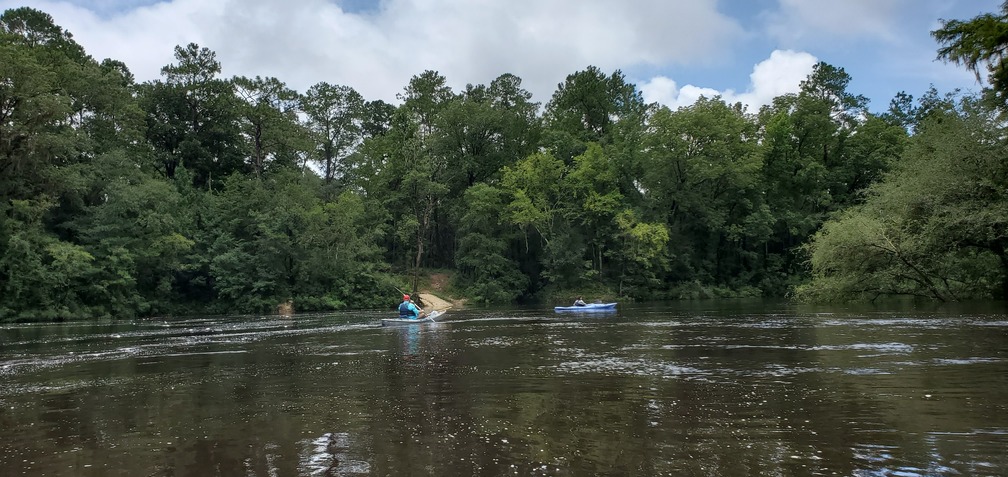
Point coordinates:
pixel 431 302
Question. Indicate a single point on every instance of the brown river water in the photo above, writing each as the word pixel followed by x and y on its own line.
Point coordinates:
pixel 704 388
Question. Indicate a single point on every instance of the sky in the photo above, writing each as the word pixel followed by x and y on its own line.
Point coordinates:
pixel 673 50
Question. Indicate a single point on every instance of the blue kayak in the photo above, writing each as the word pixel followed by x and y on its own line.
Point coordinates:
pixel 588 307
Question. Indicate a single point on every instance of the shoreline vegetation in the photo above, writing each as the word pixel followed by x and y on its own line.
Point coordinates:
pixel 200 194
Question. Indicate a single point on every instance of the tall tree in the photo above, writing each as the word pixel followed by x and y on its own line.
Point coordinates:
pixel 487 271
pixel 590 107
pixel 484 129
pixel 702 178
pixel 477 134
pixel 40 103
pixel 270 123
pixel 937 227
pixel 67 124
pixel 335 119
pixel 33 117
pixel 377 118
pixel 423 174
pixel 193 117
pixel 593 200
pixel 807 163
pixel 535 203
pixel 423 98
pixel 977 43
pixel 35 28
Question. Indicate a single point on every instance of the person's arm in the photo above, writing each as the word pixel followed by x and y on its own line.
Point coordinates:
pixel 418 312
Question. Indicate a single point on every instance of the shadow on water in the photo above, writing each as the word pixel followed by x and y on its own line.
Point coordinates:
pixel 745 387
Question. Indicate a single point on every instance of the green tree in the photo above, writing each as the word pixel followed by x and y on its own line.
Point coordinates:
pixel 478 133
pixel 809 166
pixel 702 178
pixel 487 272
pixel 335 118
pixel 411 171
pixel 484 129
pixel 275 240
pixel 976 43
pixel 376 118
pixel 34 29
pixel 520 128
pixel 343 255
pixel 535 205
pixel 44 278
pixel 641 254
pixel 37 103
pixel 937 227
pixel 590 107
pixel 64 118
pixel 193 118
pixel 270 124
pixel 592 201
pixel 424 98
pixel 256 261
pixel 138 233
pixel 535 197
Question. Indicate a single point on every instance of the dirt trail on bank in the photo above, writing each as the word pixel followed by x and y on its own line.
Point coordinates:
pixel 433 302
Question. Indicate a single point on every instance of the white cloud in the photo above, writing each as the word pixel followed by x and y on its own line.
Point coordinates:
pixel 661 90
pixel 307 41
pixel 832 21
pixel 779 74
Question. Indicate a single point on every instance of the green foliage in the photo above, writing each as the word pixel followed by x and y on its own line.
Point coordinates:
pixel 193 118
pixel 486 271
pixel 702 177
pixel 532 183
pixel 269 123
pixel 44 277
pixel 335 121
pixel 936 228
pixel 978 42
pixel 485 129
pixel 641 253
pixel 38 96
pixel 138 226
pixel 276 241
pixel 198 194
pixel 821 150
pixel 591 107
pixel 592 200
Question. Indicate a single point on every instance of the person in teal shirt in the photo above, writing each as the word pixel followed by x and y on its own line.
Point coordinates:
pixel 409 311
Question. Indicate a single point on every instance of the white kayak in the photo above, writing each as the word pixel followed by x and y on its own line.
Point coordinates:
pixel 588 307
pixel 431 318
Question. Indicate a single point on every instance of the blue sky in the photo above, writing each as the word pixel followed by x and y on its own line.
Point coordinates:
pixel 674 50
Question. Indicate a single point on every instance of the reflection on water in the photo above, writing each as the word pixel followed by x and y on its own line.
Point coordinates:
pixel 706 388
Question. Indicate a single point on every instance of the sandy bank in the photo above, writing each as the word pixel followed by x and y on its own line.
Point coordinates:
pixel 433 302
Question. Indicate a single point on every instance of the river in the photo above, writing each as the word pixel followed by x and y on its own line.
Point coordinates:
pixel 702 388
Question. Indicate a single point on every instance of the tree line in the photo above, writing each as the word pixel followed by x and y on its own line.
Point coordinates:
pixel 195 193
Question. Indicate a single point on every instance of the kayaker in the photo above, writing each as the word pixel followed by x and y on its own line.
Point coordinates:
pixel 579 302
pixel 409 311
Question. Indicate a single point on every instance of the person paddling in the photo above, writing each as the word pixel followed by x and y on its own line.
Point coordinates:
pixel 409 311
pixel 579 302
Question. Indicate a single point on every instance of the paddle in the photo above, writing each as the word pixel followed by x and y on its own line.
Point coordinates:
pixel 435 314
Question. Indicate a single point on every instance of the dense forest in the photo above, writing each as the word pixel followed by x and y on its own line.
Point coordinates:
pixel 196 193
